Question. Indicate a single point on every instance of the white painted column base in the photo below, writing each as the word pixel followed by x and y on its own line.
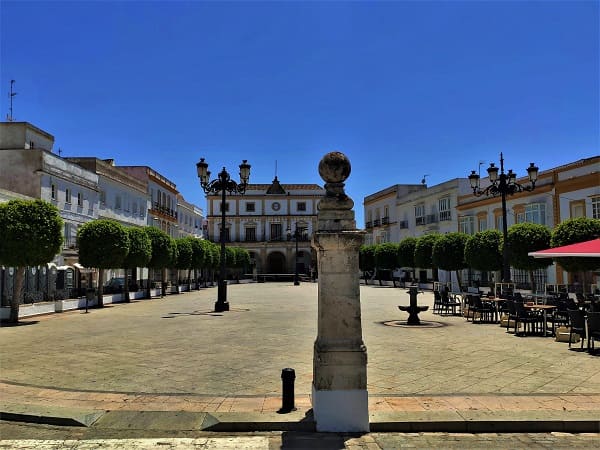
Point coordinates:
pixel 341 411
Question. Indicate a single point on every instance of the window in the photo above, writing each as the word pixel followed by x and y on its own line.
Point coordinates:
pixel 577 208
pixel 595 207
pixel 67 195
pixel 102 197
pixel 301 206
pixel 250 207
pixel 482 223
pixel 276 234
pixel 117 202
pixel 53 191
pixel 466 224
pixel 444 208
pixel 420 214
pixel 498 222
pixel 536 213
pixel 250 234
pixel 226 206
pixel 79 199
pixel 135 208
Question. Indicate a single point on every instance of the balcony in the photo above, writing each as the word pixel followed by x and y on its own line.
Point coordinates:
pixel 403 224
pixel 70 244
pixel 164 210
pixel 385 221
pixel 445 215
pixel 420 220
pixel 369 224
pixel 431 218
pixel 376 223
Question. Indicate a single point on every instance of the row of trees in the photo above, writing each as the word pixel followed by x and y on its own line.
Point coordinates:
pixel 483 250
pixel 32 236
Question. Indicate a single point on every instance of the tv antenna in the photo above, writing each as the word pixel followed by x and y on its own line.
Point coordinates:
pixel 479 168
pixel 423 181
pixel 11 94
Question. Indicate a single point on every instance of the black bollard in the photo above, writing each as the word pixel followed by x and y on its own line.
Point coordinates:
pixel 287 380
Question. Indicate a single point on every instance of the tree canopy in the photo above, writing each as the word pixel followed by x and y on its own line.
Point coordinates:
pixel 424 250
pixel 448 252
pixel 406 252
pixel 366 258
pixel 103 244
pixel 386 256
pixel 483 250
pixel 163 249
pixel 185 253
pixel 528 237
pixel 31 233
pixel 140 248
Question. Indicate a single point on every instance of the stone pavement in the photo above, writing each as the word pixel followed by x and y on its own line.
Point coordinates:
pixel 174 354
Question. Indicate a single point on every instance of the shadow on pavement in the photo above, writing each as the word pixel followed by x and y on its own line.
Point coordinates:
pixel 315 441
pixel 4 324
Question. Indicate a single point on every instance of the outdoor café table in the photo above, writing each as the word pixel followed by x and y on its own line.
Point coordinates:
pixel 544 309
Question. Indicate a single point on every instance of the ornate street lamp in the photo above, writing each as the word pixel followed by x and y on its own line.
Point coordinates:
pixel 222 184
pixel 296 236
pixel 503 184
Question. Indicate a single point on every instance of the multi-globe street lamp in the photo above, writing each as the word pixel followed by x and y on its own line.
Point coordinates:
pixel 222 184
pixel 503 184
pixel 296 235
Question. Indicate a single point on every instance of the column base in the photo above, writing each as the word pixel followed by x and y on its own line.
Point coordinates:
pixel 341 410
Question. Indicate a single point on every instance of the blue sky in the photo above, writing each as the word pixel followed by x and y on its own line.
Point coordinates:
pixel 403 88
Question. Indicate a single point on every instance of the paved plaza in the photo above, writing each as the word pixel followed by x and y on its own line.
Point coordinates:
pixel 174 354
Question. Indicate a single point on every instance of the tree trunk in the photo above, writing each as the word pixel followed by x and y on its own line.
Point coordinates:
pixel 365 274
pixel 392 276
pixel 100 288
pixel 163 282
pixel 458 279
pixel 125 297
pixel 148 284
pixel 379 277
pixel 15 300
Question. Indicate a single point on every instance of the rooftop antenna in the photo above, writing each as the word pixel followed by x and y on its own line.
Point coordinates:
pixel 275 168
pixel 423 180
pixel 11 94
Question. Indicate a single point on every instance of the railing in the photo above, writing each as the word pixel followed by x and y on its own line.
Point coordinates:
pixel 376 223
pixel 70 243
pixel 445 215
pixel 369 224
pixel 403 224
pixel 420 220
pixel 385 221
pixel 164 210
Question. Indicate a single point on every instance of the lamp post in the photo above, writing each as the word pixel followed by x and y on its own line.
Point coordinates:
pixel 503 184
pixel 222 184
pixel 296 236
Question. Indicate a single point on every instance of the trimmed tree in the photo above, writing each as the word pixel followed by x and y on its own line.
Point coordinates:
pixel 448 253
pixel 185 253
pixel 366 260
pixel 140 252
pixel 242 260
pixel 572 231
pixel 31 235
pixel 424 251
pixel 163 252
pixel 386 257
pixel 103 244
pixel 524 238
pixel 406 254
pixel 483 251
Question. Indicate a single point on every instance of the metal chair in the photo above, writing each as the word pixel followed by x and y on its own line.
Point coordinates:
pixel 577 322
pixel 593 329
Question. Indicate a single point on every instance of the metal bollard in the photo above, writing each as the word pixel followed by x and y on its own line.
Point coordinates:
pixel 287 379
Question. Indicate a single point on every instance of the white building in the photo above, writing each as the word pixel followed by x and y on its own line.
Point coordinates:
pixel 28 167
pixel 190 218
pixel 265 220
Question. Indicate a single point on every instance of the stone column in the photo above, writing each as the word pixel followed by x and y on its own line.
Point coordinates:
pixel 339 391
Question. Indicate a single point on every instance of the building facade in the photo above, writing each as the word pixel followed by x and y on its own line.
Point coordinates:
pixel 265 221
pixel 564 192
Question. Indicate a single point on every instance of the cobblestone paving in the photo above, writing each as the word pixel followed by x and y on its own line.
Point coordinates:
pixel 177 346
pixel 48 437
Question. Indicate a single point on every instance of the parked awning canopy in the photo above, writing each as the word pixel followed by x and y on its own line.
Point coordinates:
pixel 587 249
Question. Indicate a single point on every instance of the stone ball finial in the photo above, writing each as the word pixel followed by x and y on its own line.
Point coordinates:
pixel 334 167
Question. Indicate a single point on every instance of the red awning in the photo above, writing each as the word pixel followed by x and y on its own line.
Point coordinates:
pixel 587 249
